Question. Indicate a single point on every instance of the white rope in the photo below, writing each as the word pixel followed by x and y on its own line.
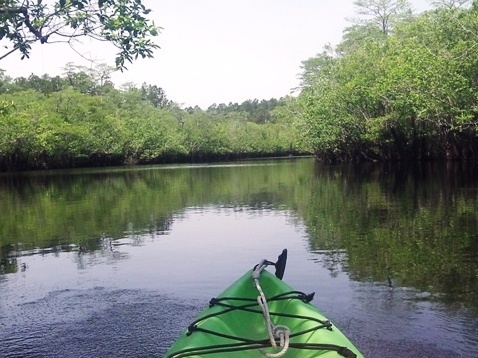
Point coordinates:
pixel 279 332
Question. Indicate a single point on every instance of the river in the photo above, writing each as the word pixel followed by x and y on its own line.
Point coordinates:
pixel 116 262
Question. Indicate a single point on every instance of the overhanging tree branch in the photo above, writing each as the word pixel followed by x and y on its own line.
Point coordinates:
pixel 26 20
pixel 120 22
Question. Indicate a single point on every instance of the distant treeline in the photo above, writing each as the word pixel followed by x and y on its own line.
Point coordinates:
pixel 253 110
pixel 80 119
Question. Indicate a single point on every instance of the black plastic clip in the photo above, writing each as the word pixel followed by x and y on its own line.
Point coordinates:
pixel 328 325
pixel 213 301
pixel 307 298
pixel 191 329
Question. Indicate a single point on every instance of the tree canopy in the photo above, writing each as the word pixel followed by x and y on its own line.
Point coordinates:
pixel 401 92
pixel 123 23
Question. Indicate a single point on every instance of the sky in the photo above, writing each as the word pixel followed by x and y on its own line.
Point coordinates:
pixel 215 51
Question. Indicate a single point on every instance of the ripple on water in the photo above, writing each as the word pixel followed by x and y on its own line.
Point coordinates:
pixel 95 323
pixel 402 322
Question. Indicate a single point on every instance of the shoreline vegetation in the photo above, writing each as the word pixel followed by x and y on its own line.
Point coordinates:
pixel 79 120
pixel 398 87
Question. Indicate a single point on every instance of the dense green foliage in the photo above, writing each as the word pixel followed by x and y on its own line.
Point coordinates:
pixel 122 23
pixel 393 91
pixel 80 119
pixel 398 87
pixel 250 110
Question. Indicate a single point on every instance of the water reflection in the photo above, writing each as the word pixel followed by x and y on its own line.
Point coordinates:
pixel 109 253
pixel 414 226
pixel 410 226
pixel 334 260
pixel 11 265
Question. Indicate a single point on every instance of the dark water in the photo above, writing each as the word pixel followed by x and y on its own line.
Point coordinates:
pixel 115 263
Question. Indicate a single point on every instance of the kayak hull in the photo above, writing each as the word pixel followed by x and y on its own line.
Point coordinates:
pixel 234 325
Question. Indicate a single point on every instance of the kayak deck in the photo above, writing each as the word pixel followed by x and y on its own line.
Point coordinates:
pixel 235 324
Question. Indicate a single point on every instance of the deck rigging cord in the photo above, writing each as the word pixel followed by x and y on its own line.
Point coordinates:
pixel 280 332
pixel 279 336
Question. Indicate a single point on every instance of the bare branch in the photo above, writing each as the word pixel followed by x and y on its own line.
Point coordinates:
pixel 9 52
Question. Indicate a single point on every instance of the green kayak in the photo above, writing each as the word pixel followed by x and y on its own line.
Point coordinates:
pixel 259 315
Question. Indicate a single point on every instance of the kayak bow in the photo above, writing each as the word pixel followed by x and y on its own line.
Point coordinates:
pixel 261 316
